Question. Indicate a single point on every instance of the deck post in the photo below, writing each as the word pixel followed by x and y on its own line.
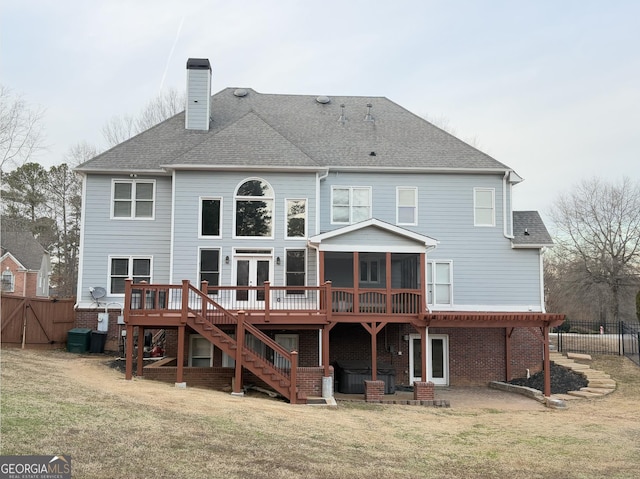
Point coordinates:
pixel 294 378
pixel 267 300
pixel 328 299
pixel 547 362
pixel 389 307
pixel 140 351
pixel 180 358
pixel 374 352
pixel 423 285
pixel 204 289
pixel 237 382
pixel 356 283
pixel 185 300
pixel 424 337
pixel 129 353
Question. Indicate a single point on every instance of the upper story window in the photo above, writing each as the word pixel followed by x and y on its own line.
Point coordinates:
pixel 254 209
pixel 8 282
pixel 296 218
pixel 407 206
pixel 350 204
pixel 133 199
pixel 484 207
pixel 296 270
pixel 128 267
pixel 439 283
pixel 210 217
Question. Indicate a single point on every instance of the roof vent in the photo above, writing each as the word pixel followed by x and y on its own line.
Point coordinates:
pixel 323 99
pixel 342 118
pixel 373 153
pixel 240 92
pixel 368 116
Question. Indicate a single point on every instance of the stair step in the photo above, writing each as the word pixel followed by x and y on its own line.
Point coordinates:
pixel 584 394
pixel 602 383
pixel 601 391
pixel 586 357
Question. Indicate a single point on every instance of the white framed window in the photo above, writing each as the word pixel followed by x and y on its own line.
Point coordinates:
pixel 200 352
pixel 407 205
pixel 440 283
pixel 137 268
pixel 209 267
pixel 296 270
pixel 210 217
pixel 296 220
pixel 133 199
pixel 290 343
pixel 484 206
pixel 8 281
pixel 350 204
pixel 254 202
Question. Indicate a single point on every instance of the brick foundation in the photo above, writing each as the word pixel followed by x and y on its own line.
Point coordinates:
pixel 373 391
pixel 423 391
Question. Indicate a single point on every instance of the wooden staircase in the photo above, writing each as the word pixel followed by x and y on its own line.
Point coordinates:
pixel 261 364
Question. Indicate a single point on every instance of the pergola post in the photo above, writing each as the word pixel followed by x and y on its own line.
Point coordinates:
pixel 547 362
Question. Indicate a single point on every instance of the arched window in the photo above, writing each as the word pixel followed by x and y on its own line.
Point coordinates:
pixel 7 281
pixel 254 209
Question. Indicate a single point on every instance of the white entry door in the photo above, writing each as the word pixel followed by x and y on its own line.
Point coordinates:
pixel 252 271
pixel 437 358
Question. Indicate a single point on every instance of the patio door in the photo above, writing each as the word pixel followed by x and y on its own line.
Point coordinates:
pixel 252 271
pixel 437 358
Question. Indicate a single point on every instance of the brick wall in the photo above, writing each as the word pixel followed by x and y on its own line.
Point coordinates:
pixel 88 318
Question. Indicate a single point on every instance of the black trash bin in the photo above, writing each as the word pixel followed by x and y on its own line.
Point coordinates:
pixel 98 340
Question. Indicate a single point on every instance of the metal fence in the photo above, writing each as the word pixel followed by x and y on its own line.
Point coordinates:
pixel 598 338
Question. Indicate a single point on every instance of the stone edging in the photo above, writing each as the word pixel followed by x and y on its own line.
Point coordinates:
pixel 550 402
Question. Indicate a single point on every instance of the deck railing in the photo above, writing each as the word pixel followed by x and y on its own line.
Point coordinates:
pixel 151 299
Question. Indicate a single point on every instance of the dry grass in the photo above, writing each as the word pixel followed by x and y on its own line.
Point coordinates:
pixel 58 403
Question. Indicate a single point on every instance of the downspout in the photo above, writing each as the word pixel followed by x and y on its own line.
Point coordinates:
pixel 542 305
pixel 83 218
pixel 320 345
pixel 173 219
pixel 504 206
pixel 319 178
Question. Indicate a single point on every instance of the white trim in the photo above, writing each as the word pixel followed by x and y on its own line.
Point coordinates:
pixel 415 205
pixel 286 218
pixel 220 220
pixel 532 246
pixel 133 182
pixel 476 190
pixel 173 226
pixel 488 308
pixel 505 227
pixel 21 267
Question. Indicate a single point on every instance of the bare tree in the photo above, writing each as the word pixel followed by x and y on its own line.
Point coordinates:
pixel 20 129
pixel 598 227
pixel 121 128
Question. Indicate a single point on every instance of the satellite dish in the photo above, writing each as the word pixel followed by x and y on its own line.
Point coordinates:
pixel 97 292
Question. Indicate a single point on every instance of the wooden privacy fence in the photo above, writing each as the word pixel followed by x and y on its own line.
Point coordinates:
pixel 36 322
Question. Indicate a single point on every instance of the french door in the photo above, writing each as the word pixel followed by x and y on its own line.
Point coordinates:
pixel 251 271
pixel 437 358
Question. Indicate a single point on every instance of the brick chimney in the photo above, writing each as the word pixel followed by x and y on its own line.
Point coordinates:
pixel 198 110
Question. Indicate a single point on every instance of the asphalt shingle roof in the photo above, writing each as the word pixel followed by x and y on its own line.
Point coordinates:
pixel 24 247
pixel 529 222
pixel 296 131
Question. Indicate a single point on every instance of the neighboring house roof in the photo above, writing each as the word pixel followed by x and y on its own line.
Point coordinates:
pixel 24 248
pixel 295 131
pixel 529 231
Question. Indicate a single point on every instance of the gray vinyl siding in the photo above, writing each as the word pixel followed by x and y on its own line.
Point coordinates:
pixel 486 270
pixel 104 237
pixel 191 186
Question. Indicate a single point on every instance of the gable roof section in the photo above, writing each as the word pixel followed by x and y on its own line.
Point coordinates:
pixel 288 128
pixel 350 238
pixel 24 248
pixel 249 141
pixel 529 222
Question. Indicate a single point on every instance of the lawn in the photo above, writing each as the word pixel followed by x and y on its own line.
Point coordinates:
pixel 54 402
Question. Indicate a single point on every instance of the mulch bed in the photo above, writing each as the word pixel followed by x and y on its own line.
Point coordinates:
pixel 563 380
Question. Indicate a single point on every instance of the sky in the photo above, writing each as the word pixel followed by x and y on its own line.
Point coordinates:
pixel 549 88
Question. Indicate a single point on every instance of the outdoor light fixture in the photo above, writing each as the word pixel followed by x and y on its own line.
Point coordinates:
pixel 278 260
pixel 226 260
